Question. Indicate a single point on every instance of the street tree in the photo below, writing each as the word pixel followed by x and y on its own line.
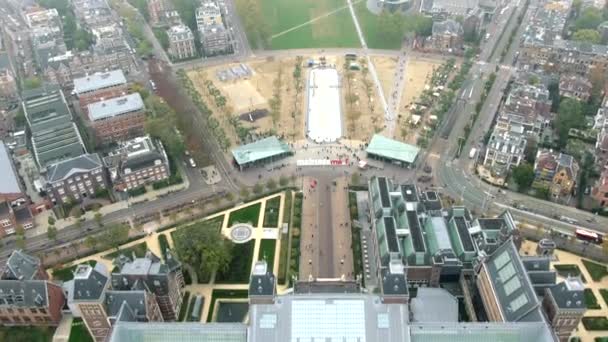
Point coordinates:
pixel 355 179
pixel 244 192
pixel 587 35
pixel 20 241
pixel 271 184
pixel 98 217
pixel 229 197
pixel 523 176
pixel 116 235
pixel 590 18
pixel 91 242
pixel 258 188
pixel 51 232
pixel 283 181
pixel 203 247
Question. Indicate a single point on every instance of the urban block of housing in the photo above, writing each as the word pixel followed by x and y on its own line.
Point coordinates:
pixel 64 171
pixel 524 122
pixel 444 253
pixel 212 31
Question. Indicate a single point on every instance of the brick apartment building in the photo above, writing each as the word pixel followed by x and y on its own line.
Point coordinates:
pixel 181 42
pixel 99 86
pixel 26 297
pixel 564 304
pixel 86 297
pixel 164 280
pixel 76 179
pixel 117 119
pixel 137 162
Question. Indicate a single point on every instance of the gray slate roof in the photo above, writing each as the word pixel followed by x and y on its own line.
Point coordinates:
pixel 510 282
pixel 66 168
pixel 434 305
pixel 569 294
pixel 115 106
pixel 28 293
pixel 89 283
pixel 136 300
pixel 10 181
pixel 20 266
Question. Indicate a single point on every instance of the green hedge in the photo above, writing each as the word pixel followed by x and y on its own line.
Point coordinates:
pixel 268 248
pixel 79 332
pixel 271 212
pixel 163 244
pixel 139 249
pixel 137 191
pixel 284 251
pixel 590 300
pixel 65 274
pixel 596 271
pixel 593 323
pixel 184 308
pixel 173 180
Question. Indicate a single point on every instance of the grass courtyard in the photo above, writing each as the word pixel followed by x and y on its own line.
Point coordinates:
pixel 249 214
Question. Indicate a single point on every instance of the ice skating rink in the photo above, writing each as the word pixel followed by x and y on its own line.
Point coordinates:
pixel 324 118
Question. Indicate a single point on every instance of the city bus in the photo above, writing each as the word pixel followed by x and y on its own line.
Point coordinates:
pixel 586 235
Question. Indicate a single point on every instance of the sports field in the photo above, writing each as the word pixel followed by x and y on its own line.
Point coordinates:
pixel 324 23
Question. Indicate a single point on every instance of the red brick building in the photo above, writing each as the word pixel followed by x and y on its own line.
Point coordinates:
pixel 99 86
pixel 117 119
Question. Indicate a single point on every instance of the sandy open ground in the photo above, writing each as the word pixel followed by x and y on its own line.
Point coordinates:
pixel 362 115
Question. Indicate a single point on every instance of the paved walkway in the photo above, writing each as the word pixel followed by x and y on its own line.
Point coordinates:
pixel 397 89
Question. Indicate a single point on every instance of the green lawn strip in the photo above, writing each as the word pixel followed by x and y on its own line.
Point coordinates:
pixel 224 294
pixel 594 323
pixel 355 235
pixel 596 271
pixel 240 266
pixel 67 273
pixel 604 294
pixel 266 252
pixel 590 300
pixel 271 212
pixel 294 257
pixel 565 270
pixel 601 339
pixel 163 244
pixel 26 334
pixel 284 251
pixel 249 214
pixel 79 332
pixel 184 307
pixel 139 249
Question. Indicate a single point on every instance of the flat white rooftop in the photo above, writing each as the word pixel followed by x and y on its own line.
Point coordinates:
pixel 115 106
pixel 324 119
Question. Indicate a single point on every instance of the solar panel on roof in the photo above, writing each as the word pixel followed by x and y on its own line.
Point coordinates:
pixel 506 272
pixel 518 302
pixel 512 285
pixel 501 260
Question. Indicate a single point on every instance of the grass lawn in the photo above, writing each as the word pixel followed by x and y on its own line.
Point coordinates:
pixel 569 269
pixel 596 271
pixel 228 294
pixel 163 243
pixel 140 251
pixel 271 212
pixel 26 334
pixel 65 274
pixel 601 339
pixel 604 293
pixel 335 30
pixel 239 270
pixel 79 332
pixel 249 214
pixel 592 323
pixel 267 250
pixel 590 300
pixel 369 25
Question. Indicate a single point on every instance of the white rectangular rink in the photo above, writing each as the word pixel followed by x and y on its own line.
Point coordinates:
pixel 324 119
